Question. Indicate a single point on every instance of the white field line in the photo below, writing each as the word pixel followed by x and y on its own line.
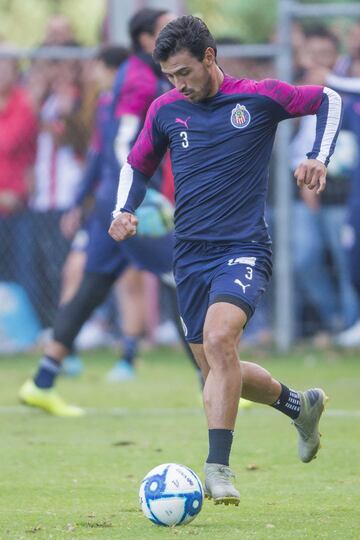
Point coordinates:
pixel 119 411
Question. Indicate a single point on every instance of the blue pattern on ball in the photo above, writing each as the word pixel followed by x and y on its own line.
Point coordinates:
pixel 155 487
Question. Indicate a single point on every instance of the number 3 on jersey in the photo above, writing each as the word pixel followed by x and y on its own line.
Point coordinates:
pixel 185 140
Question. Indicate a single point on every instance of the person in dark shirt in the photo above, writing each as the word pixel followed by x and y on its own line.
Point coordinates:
pixel 120 116
pixel 220 132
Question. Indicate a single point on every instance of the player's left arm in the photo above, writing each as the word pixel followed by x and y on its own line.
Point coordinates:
pixel 312 171
pixel 326 104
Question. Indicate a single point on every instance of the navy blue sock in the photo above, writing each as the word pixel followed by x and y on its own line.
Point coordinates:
pixel 47 372
pixel 220 441
pixel 130 348
pixel 288 402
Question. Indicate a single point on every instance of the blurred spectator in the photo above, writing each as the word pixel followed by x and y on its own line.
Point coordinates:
pixel 259 68
pixel 350 86
pixel 61 147
pixel 298 39
pixel 233 65
pixel 320 48
pixel 349 64
pixel 318 220
pixel 58 31
pixel 18 129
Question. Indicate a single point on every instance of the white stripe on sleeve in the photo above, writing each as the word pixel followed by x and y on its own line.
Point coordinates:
pixel 332 125
pixel 125 183
pixel 128 128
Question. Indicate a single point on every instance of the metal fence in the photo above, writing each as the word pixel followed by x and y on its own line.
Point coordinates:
pixel 32 247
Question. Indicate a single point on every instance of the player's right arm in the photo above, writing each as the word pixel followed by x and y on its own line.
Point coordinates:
pixel 141 164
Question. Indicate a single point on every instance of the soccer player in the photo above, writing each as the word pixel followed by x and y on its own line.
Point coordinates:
pixel 220 132
pixel 137 83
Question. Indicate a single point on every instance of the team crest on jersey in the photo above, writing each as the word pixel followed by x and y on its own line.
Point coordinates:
pixel 240 117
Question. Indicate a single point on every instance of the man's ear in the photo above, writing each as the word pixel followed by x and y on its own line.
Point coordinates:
pixel 209 57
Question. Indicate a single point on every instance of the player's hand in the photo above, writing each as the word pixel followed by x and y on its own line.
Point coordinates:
pixel 123 226
pixel 71 221
pixel 311 173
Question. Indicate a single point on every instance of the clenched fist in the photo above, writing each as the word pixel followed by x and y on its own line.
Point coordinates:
pixel 311 173
pixel 123 226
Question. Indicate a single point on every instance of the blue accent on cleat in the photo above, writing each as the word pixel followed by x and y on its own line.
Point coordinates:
pixel 72 366
pixel 122 371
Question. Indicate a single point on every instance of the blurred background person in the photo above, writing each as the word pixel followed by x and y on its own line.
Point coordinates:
pixel 77 221
pixel 18 131
pixel 59 31
pixel 137 83
pixel 61 147
pixel 348 65
pixel 350 87
pixel 324 285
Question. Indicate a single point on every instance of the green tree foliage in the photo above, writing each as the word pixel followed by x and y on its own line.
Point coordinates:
pixel 251 21
pixel 22 22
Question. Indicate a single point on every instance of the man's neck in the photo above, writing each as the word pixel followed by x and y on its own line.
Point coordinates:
pixel 218 78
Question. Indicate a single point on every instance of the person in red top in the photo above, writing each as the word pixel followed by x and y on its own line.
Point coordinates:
pixel 18 130
pixel 17 140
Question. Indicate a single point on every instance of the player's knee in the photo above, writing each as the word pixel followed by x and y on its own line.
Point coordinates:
pixel 219 343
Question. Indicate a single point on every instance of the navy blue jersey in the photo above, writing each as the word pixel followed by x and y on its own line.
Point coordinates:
pixel 220 151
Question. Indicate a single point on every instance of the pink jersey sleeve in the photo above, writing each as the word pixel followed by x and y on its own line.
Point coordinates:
pixel 295 100
pixel 138 91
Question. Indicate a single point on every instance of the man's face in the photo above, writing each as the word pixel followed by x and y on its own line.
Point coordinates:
pixel 190 76
pixel 147 40
pixel 321 52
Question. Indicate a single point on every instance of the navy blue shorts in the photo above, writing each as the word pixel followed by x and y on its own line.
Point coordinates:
pixel 105 256
pixel 209 272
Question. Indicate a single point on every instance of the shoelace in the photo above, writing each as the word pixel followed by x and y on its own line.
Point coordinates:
pixel 225 474
pixel 303 433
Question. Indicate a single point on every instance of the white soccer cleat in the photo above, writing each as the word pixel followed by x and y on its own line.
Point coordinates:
pixel 122 371
pixel 312 404
pixel 218 484
pixel 350 337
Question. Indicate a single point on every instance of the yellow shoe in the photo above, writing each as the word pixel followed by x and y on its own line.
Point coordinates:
pixel 245 403
pixel 48 400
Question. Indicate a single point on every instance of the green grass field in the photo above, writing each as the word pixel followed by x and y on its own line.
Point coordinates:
pixel 72 479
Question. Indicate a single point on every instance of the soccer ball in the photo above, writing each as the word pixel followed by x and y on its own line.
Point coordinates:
pixel 171 495
pixel 155 215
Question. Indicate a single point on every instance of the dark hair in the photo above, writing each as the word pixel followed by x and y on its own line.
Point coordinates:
pixel 322 32
pixel 185 32
pixel 112 55
pixel 144 20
